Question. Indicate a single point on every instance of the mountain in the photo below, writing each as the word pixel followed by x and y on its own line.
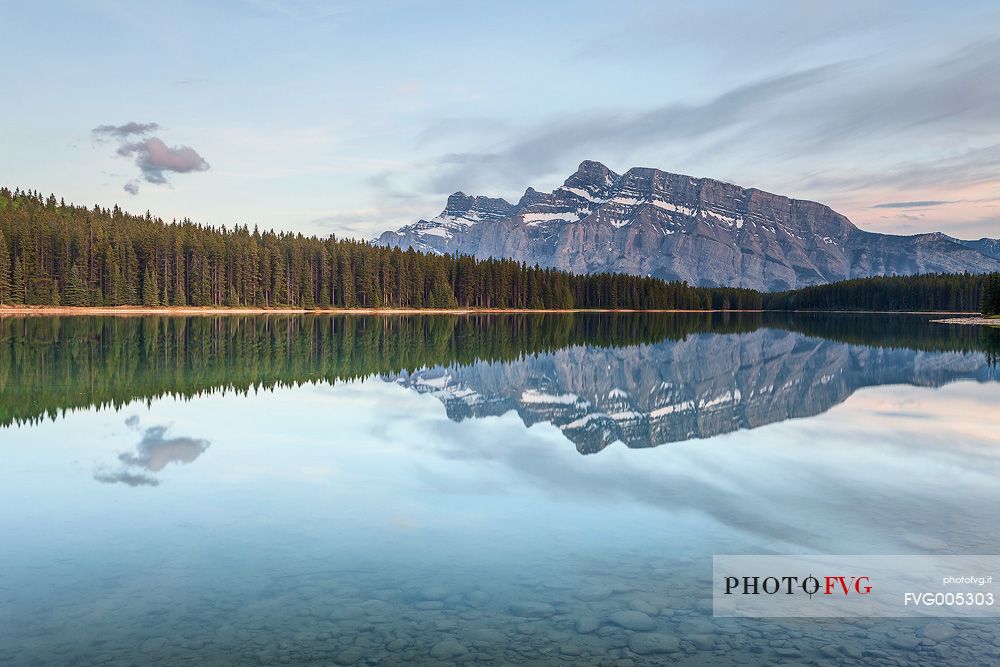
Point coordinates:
pixel 701 386
pixel 709 233
pixel 988 247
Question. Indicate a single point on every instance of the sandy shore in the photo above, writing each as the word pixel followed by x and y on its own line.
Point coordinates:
pixel 987 321
pixel 126 311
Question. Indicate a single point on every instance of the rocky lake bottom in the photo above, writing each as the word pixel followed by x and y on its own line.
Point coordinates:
pixel 558 507
pixel 620 616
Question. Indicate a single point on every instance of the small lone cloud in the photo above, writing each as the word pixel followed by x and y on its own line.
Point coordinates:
pixel 912 204
pixel 154 158
pixel 124 131
pixel 127 478
pixel 153 453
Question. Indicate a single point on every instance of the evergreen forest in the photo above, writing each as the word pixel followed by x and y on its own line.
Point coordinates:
pixel 54 253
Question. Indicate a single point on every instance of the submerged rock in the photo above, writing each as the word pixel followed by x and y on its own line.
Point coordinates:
pixel 429 605
pixel 938 632
pixel 531 609
pixel 348 656
pixel 633 620
pixel 594 593
pixel 587 624
pixel 432 593
pixel 449 648
pixel 650 643
pixel 644 607
pixel 905 642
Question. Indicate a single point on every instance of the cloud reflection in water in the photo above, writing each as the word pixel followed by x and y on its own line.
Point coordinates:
pixel 153 453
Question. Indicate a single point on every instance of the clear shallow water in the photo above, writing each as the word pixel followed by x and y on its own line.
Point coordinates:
pixel 449 510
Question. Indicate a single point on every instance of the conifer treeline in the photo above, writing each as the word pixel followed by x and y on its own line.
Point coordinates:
pixel 928 292
pixel 990 304
pixel 52 253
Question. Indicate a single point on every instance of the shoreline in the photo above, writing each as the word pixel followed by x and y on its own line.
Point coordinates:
pixel 177 311
pixel 125 311
pixel 977 320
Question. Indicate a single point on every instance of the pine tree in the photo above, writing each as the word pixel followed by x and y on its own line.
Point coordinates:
pixel 442 295
pixel 150 289
pixel 346 277
pixel 4 270
pixel 19 292
pixel 990 305
pixel 180 271
pixel 76 291
pixel 113 292
pixel 201 293
pixel 130 283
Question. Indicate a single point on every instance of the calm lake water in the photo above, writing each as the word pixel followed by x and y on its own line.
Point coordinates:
pixel 515 489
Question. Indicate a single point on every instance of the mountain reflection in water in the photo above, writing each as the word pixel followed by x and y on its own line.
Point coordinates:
pixel 644 379
pixel 702 386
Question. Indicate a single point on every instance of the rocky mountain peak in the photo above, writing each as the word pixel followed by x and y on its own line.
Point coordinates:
pixel 476 208
pixel 531 196
pixel 592 175
pixel 646 180
pixel 676 227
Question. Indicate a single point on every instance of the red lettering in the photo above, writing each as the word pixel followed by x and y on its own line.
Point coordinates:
pixel 859 585
pixel 831 585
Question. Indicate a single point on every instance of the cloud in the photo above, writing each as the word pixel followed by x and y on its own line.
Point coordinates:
pixel 154 158
pixel 912 204
pixel 880 127
pixel 970 167
pixel 127 478
pixel 359 222
pixel 553 144
pixel 153 453
pixel 124 131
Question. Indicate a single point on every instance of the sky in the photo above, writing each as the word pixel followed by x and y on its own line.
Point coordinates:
pixel 351 118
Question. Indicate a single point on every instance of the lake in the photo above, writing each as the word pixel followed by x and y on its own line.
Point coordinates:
pixel 503 489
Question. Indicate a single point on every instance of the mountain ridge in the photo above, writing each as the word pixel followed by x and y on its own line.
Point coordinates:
pixel 677 227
